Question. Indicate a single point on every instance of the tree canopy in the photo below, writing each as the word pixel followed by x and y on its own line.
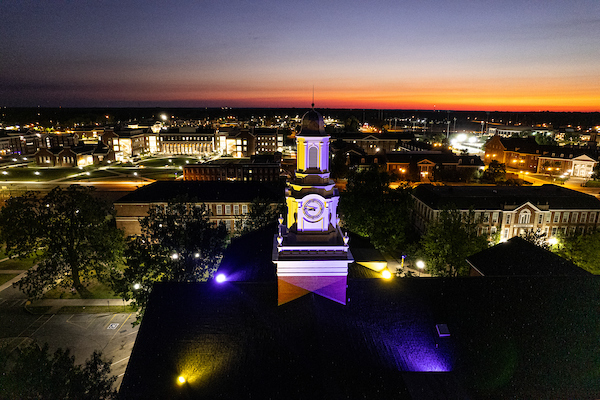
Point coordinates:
pixel 178 243
pixel 261 213
pixel 370 208
pixel 581 249
pixel 33 373
pixel 495 172
pixel 71 233
pixel 449 240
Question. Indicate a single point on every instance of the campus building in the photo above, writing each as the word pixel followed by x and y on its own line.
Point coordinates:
pixel 511 210
pixel 526 155
pixel 227 201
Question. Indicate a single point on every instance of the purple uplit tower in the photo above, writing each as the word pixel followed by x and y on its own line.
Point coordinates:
pixel 310 252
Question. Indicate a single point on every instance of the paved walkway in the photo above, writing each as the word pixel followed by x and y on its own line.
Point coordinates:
pixel 57 304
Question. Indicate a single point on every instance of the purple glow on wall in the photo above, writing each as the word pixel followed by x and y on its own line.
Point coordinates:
pixel 418 351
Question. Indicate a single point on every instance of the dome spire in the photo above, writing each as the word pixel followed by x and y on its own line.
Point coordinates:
pixel 313 101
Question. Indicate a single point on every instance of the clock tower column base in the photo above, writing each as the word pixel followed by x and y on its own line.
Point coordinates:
pixel 292 287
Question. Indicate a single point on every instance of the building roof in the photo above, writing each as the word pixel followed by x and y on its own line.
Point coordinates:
pixel 164 191
pixel 312 124
pixel 509 338
pixel 518 257
pixel 504 197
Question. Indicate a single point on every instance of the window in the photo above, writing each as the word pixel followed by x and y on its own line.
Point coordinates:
pixel 227 209
pixel 548 215
pixel 508 218
pixel 506 233
pixel 313 157
pixel 524 217
pixel 495 217
pixel 592 217
pixel 540 218
pixel 236 209
pixel 219 209
pixel 565 217
pixel 486 217
pixel 583 217
pixel 554 230
pixel 556 217
pixel 574 217
pixel 244 209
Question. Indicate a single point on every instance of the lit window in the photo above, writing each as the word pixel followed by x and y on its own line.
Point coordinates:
pixel 236 209
pixel 244 209
pixel 219 209
pixel 565 217
pixel 227 209
pixel 556 217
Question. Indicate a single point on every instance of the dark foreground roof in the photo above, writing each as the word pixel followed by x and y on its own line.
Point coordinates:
pixel 497 197
pixel 163 191
pixel 521 337
pixel 518 257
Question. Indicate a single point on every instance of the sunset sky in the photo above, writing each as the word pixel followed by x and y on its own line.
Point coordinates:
pixel 460 55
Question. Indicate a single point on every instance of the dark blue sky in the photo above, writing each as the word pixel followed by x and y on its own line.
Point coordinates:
pixel 508 55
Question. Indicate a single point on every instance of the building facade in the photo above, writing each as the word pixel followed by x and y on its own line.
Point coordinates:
pixel 511 210
pixel 526 155
pixel 227 201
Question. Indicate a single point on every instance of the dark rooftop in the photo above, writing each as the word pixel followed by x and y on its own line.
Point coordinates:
pixel 526 338
pixel 497 197
pixel 163 191
pixel 518 257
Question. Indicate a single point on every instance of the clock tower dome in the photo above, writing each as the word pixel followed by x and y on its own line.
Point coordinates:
pixel 310 252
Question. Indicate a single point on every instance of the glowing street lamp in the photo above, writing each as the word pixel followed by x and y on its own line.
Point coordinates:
pixel 421 266
pixel 553 241
pixel 386 274
pixel 221 278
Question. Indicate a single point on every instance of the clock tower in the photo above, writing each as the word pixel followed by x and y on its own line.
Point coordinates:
pixel 310 251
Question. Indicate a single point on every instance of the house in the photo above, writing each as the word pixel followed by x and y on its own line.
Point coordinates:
pixel 427 166
pixel 511 210
pixel 227 201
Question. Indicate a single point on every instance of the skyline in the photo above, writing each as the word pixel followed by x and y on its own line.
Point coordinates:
pixel 464 55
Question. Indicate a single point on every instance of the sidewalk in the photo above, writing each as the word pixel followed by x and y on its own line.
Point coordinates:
pixel 57 304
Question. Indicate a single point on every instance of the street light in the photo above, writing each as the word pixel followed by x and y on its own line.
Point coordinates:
pixel 421 266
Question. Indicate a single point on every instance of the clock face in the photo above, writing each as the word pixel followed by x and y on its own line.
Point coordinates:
pixel 313 209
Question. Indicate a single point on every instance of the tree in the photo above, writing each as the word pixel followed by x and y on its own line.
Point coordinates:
pixel 178 243
pixel 536 237
pixel 449 240
pixel 261 213
pixel 581 249
pixel 71 233
pixel 33 373
pixel 495 172
pixel 338 166
pixel 370 208
pixel 351 124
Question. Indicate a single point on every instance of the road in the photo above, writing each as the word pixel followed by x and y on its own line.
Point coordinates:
pixel 113 334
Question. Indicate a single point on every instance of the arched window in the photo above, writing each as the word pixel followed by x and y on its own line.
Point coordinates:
pixel 524 217
pixel 313 157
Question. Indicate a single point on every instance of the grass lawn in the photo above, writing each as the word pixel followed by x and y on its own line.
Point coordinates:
pixel 46 174
pixel 16 263
pixel 97 290
pixel 6 277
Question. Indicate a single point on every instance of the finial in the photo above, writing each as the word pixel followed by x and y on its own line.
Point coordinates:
pixel 280 219
pixel 313 101
pixel 346 239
